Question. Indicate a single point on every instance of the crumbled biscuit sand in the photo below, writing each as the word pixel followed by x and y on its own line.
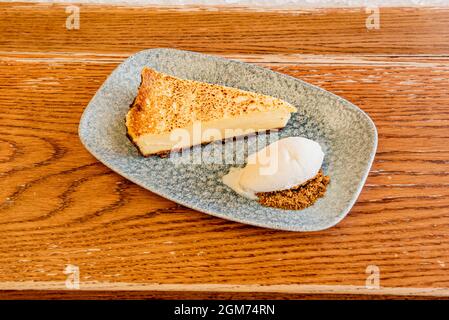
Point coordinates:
pixel 299 197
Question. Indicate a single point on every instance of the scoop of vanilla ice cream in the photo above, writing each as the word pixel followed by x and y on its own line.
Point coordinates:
pixel 282 165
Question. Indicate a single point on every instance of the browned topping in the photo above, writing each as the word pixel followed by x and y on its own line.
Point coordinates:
pixel 299 197
pixel 165 103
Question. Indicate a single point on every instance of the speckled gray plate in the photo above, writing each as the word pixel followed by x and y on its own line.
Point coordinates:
pixel 347 135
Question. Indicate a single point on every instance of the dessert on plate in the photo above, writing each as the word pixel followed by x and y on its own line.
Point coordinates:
pixel 171 113
pixel 286 174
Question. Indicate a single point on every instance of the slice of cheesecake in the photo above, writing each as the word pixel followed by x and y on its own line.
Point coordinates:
pixel 171 113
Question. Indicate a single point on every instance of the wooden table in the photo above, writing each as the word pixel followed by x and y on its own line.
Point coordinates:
pixel 59 206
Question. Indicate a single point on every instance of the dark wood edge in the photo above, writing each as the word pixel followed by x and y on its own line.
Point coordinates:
pixel 190 295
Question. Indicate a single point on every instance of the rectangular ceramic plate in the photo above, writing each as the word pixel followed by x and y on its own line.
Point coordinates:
pixel 346 134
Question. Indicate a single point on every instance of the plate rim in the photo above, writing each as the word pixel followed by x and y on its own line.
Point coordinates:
pixel 293 228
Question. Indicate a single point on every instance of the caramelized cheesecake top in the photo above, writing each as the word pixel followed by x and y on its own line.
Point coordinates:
pixel 165 103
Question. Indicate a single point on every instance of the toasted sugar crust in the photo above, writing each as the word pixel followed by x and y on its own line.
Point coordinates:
pixel 165 103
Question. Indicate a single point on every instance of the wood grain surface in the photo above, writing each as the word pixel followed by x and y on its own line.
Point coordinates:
pixel 60 206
